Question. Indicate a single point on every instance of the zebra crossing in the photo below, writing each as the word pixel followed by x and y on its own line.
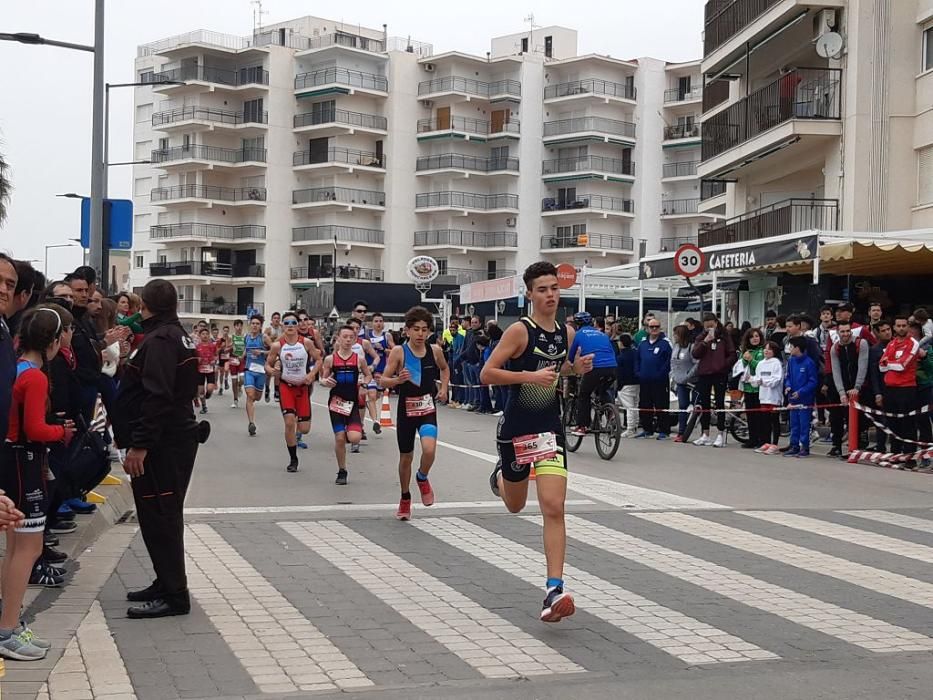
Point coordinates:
pixel 363 603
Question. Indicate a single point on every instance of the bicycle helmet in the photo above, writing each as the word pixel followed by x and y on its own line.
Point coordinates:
pixel 582 318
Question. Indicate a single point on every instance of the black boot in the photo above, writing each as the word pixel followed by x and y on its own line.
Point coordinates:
pixel 151 592
pixel 166 606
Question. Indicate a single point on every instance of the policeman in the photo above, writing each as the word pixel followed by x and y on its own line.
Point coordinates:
pixel 154 421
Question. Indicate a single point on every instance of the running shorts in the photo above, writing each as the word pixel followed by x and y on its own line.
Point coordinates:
pixel 346 424
pixel 235 365
pixel 295 399
pixel 206 379
pixel 23 480
pixel 254 380
pixel 512 471
pixel 408 426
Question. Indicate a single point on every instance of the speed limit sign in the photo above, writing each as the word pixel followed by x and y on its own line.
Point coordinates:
pixel 689 260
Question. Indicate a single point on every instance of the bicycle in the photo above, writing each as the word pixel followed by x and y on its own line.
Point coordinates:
pixel 605 422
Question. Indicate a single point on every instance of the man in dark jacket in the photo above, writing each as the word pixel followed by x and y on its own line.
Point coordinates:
pixel 155 423
pixel 85 346
pixel 653 367
pixel 883 332
pixel 849 364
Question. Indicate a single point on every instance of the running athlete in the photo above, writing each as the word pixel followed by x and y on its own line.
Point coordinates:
pixel 254 378
pixel 273 332
pixel 237 350
pixel 341 372
pixel 415 367
pixel 207 367
pixel 529 359
pixel 223 357
pixel 306 330
pixel 288 361
pixel 382 342
pixel 363 347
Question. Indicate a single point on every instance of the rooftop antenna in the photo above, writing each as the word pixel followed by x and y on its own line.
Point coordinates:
pixel 258 12
pixel 531 31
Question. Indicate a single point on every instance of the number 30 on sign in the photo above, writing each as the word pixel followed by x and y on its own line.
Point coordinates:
pixel 689 260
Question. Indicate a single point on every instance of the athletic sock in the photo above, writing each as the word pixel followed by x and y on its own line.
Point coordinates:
pixel 293 452
pixel 421 477
pixel 554 583
pixel 406 496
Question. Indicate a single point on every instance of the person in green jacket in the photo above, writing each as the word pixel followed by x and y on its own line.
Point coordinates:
pixel 643 331
pixel 752 349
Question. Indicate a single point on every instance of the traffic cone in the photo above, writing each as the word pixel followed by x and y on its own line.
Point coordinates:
pixel 385 417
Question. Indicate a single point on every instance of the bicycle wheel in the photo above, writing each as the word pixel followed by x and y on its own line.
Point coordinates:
pixel 609 433
pixel 571 441
pixel 738 427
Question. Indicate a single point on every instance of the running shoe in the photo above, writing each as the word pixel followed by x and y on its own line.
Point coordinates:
pixel 557 605
pixel 354 449
pixel 292 466
pixel 203 408
pixel 220 392
pixel 43 576
pixel 302 444
pixel 404 509
pixel 578 431
pixel 377 427
pixel 55 570
pixel 226 384
pixel 20 648
pixel 763 449
pixel 30 636
pixel 703 441
pixel 267 398
pixel 498 414
pixel 644 434
pixel 52 555
pixel 494 479
pixel 62 527
pixel 341 478
pixel 235 404
pixel 835 452
pixel 803 454
pixel 81 507
pixel 791 452
pixel 252 429
pixel 720 440
pixel 772 450
pixel 628 434
pixel 661 436
pixel 363 435
pixel 427 493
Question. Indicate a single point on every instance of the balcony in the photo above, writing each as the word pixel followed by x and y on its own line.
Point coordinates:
pixel 683 169
pixel 676 95
pixel 715 93
pixel 466 128
pixel 468 88
pixel 462 275
pixel 339 160
pixel 341 40
pixel 252 77
pixel 331 122
pixel 208 119
pixel 342 272
pixel 589 88
pixel 588 168
pixel 201 157
pixel 589 129
pixel 710 189
pixel 787 216
pixel 460 163
pixel 338 199
pixel 203 268
pixel 329 234
pixel 204 307
pixel 340 81
pixel 466 240
pixel 605 242
pixel 199 233
pixel 598 204
pixel 671 244
pixel 466 202
pixel 680 208
pixel 207 195
pixel 795 113
pixel 681 131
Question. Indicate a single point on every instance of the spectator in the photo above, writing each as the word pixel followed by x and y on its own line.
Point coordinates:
pixel 875 315
pixel 8 284
pixel 716 353
pixel 452 342
pixel 729 327
pixel 683 374
pixel 643 331
pixel 485 397
pixel 770 324
pixel 922 317
pixel 653 368
pixel 22 297
pixel 849 371
pixel 844 314
pixel 884 332
pixel 800 384
pixel 753 352
pixel 794 326
pixel 899 366
pixel 823 332
pixel 499 393
pixel 469 359
pixel 589 340
pixel 769 378
pixel 627 383
pixel 694 329
pixel 924 387
pixel 779 334
pixel 85 346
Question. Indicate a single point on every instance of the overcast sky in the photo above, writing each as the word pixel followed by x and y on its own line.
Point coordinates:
pixel 45 93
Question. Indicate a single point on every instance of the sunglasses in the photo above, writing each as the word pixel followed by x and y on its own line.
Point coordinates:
pixel 652 328
pixel 289 322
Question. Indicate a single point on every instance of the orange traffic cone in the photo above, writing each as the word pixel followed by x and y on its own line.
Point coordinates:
pixel 385 417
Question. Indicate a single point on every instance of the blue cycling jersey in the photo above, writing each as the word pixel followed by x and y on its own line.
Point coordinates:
pixel 591 340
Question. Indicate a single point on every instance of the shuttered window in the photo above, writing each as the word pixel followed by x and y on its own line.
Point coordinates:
pixel 925 175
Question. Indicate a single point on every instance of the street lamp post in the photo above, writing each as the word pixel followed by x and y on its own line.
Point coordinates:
pixel 45 268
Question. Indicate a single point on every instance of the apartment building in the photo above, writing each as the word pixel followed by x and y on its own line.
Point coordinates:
pixel 314 153
pixel 816 115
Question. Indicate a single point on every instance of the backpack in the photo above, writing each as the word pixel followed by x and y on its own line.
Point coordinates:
pixel 88 462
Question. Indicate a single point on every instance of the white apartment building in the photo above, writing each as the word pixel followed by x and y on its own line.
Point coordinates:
pixel 313 152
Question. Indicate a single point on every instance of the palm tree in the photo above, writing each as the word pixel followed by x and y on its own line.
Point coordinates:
pixel 5 187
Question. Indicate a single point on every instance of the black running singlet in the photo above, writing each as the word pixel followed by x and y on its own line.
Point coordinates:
pixel 532 408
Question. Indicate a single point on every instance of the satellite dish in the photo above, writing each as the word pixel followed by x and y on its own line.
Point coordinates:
pixel 829 45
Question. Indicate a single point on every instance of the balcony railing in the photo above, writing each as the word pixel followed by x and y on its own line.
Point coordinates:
pixel 463 275
pixel 678 95
pixel 600 241
pixel 352 41
pixel 203 268
pixel 349 156
pixel 682 131
pixel 341 116
pixel 457 161
pixel 210 308
pixel 466 200
pixel 715 93
pixel 343 234
pixel 254 75
pixel 467 239
pixel 787 216
pixel 590 86
pixel 209 232
pixel 342 76
pixel 208 114
pixel 598 124
pixel 342 195
pixel 726 19
pixel 224 194
pixel 682 169
pixel 589 201
pixel 342 272
pixel 711 188
pixel 469 86
pixel 672 244
pixel 468 125
pixel 616 166
pixel 211 153
pixel 671 207
pixel 804 93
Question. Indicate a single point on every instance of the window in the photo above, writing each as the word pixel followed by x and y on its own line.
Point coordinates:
pixel 525 44
pixel 142 186
pixel 642 248
pixel 925 175
pixel 139 262
pixel 143 150
pixel 548 46
pixel 928 48
pixel 140 222
pixel 146 76
pixel 144 113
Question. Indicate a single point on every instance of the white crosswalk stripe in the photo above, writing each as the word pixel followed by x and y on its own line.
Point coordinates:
pixel 633 497
pixel 487 642
pixel 853 627
pixel 690 640
pixel 909 522
pixel 868 577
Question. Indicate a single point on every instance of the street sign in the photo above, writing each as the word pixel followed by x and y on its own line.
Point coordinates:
pixel 566 275
pixel 118 223
pixel 689 260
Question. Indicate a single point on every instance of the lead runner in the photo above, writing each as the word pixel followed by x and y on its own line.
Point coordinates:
pixel 529 360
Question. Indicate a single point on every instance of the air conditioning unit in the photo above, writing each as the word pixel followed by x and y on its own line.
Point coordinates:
pixel 510 222
pixel 823 21
pixel 427 103
pixel 429 67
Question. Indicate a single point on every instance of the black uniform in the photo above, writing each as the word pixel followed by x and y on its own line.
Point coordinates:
pixel 417 412
pixel 154 412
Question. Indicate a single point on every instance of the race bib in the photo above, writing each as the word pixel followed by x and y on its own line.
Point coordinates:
pixel 235 361
pixel 534 448
pixel 340 406
pixel 205 369
pixel 417 406
pixel 257 367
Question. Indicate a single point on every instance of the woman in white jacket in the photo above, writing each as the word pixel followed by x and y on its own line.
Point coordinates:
pixel 769 378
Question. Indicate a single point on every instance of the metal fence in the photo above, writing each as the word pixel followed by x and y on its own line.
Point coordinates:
pixel 598 124
pixel 343 195
pixel 252 75
pixel 601 241
pixel 350 156
pixel 204 268
pixel 212 153
pixel 466 200
pixel 341 116
pixel 589 201
pixel 725 19
pixel 345 234
pixel 213 232
pixel 467 239
pixel 686 168
pixel 469 86
pixel 342 76
pixel 464 162
pixel 590 86
pixel 787 216
pixel 209 114
pixel 617 166
pixel 679 206
pixel 225 194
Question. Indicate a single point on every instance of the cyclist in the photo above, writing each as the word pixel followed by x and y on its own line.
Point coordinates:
pixel 591 341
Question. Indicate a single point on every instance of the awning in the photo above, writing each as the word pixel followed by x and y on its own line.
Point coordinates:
pixel 874 258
